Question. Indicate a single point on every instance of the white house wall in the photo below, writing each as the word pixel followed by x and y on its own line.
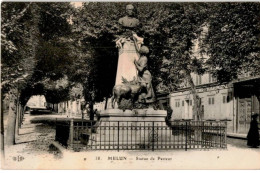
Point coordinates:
pixel 218 110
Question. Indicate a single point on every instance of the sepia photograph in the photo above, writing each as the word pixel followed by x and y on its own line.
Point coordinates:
pixel 130 85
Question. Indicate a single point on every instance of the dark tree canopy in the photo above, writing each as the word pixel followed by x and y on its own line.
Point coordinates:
pixel 232 41
pixel 17 44
pixel 53 41
pixel 37 45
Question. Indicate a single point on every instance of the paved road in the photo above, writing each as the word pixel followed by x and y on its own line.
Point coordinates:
pixel 241 143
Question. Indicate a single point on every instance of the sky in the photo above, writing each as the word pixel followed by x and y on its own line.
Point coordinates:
pixel 77 4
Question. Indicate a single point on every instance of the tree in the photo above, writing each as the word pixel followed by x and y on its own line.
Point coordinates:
pixel 95 66
pixel 17 57
pixel 232 41
pixel 52 51
pixel 181 27
pixel 35 36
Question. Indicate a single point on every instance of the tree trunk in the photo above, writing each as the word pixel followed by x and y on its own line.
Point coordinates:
pixel 196 106
pixel 106 102
pixel 82 108
pixel 17 118
pixel 2 129
pixel 91 110
pixel 196 99
pixel 11 122
pixel 21 116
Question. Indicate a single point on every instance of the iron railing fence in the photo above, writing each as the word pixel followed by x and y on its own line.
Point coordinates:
pixel 142 135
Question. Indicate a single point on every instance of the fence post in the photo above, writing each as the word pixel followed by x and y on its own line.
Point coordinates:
pixel 225 127
pixel 153 137
pixel 220 134
pixel 71 132
pixel 118 136
pixel 186 134
pixel 203 140
pixel 56 138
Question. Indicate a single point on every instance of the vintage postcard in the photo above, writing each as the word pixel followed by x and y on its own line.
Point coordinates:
pixel 130 85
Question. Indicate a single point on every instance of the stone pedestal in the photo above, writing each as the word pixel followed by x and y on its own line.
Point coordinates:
pixel 129 129
pixel 139 115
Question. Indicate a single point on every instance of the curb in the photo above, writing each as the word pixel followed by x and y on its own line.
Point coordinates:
pixel 236 136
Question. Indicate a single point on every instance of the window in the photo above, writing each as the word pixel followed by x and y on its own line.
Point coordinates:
pixel 177 103
pixel 211 100
pixel 230 96
pixel 224 99
pixel 198 79
pixel 190 102
pixel 200 101
pixel 182 102
pixel 212 79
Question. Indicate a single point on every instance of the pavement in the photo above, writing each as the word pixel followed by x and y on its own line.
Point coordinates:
pixel 32 151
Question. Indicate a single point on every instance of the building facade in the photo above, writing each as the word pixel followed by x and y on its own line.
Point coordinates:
pixel 37 101
pixel 234 101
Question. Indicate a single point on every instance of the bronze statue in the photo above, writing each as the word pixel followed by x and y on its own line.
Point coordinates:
pixel 127 52
pixel 129 91
pixel 132 64
pixel 129 24
pixel 144 76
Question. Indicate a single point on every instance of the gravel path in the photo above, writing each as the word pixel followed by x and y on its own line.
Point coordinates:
pixel 33 140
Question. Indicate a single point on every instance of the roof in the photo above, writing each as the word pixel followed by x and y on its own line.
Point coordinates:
pixel 246 79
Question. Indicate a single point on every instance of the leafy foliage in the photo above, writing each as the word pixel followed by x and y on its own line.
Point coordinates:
pixel 17 45
pixel 232 41
pixel 181 27
pixel 53 41
pixel 52 52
